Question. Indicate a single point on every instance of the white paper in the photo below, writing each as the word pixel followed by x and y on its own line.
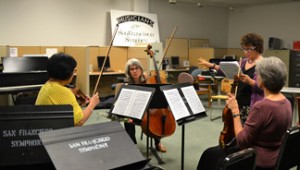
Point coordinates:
pixel 230 68
pixel 13 52
pixel 51 51
pixel 131 103
pixel 176 104
pixel 193 99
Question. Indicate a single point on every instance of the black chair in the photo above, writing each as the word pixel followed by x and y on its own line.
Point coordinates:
pixel 289 154
pixel 244 159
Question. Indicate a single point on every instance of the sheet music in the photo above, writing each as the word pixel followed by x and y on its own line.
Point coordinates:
pixel 193 99
pixel 139 103
pixel 131 103
pixel 230 68
pixel 176 103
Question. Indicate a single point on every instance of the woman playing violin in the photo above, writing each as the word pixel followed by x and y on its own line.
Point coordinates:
pixel 247 90
pixel 135 75
pixel 61 68
pixel 266 124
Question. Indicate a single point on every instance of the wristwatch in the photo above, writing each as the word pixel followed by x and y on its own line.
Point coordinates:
pixel 236 115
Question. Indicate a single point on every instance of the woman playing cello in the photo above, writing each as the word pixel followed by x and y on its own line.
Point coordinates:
pixel 135 75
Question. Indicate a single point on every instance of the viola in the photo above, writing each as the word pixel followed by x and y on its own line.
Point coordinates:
pixel 161 121
pixel 81 98
pixel 227 135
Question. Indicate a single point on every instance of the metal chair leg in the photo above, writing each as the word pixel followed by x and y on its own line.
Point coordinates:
pixel 210 112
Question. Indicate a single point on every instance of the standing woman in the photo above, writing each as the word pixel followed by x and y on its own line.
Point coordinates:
pixel 61 69
pixel 248 93
pixel 135 75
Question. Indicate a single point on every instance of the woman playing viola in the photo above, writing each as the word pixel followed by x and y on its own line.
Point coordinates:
pixel 61 68
pixel 266 124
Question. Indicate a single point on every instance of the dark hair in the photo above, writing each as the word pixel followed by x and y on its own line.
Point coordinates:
pixel 255 40
pixel 61 66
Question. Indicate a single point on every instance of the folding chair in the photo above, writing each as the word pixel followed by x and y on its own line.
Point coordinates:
pixel 244 159
pixel 225 88
pixel 289 154
pixel 201 86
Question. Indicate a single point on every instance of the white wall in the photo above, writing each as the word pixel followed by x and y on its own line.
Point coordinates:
pixel 193 22
pixel 57 22
pixel 87 22
pixel 281 21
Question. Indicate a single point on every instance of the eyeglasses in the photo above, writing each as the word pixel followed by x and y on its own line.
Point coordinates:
pixel 248 49
pixel 134 68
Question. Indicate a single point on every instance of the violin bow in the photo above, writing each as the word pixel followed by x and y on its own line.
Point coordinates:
pixel 168 45
pixel 107 54
pixel 239 72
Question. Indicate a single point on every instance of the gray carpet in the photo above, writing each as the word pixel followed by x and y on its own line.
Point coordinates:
pixel 199 135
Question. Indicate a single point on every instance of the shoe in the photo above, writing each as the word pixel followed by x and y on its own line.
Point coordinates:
pixel 160 148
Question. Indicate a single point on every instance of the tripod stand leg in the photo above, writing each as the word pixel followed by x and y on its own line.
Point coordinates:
pixel 154 152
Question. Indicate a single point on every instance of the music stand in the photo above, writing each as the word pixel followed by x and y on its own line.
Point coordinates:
pixel 134 96
pixel 127 100
pixel 158 101
pixel 185 106
pixel 103 145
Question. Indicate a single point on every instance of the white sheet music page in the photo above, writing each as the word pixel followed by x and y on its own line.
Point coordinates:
pixel 131 103
pixel 176 104
pixel 138 104
pixel 230 68
pixel 193 99
pixel 123 101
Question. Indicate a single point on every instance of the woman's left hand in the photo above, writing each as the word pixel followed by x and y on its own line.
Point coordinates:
pixel 231 102
pixel 244 78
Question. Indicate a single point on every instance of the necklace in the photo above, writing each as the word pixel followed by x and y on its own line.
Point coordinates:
pixel 250 61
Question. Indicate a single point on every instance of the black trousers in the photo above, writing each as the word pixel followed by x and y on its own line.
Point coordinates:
pixel 212 158
pixel 130 129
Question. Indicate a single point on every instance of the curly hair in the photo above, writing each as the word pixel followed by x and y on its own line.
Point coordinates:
pixel 255 40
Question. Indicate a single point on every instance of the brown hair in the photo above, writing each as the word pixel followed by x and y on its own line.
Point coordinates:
pixel 255 40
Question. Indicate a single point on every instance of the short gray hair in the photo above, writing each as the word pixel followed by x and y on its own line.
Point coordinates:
pixel 272 72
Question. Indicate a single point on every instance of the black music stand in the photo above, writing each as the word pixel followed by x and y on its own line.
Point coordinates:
pixel 20 145
pixel 158 101
pixel 127 100
pixel 187 107
pixel 103 145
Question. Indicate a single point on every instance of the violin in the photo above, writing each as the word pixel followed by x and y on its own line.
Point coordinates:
pixel 161 121
pixel 227 135
pixel 81 98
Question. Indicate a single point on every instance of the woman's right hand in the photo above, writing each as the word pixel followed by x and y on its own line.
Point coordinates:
pixel 94 101
pixel 203 62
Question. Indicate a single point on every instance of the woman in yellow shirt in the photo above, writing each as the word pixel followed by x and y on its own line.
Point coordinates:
pixel 61 69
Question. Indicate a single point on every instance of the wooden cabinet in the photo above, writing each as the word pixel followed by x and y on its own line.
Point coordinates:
pixel 284 55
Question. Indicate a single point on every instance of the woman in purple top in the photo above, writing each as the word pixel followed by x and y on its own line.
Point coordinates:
pixel 266 124
pixel 247 92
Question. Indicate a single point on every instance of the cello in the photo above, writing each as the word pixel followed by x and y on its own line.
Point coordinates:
pixel 161 121
pixel 227 135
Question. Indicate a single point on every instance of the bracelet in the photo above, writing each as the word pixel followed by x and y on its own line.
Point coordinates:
pixel 213 67
pixel 236 115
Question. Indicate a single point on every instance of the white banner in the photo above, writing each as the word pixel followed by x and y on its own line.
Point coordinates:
pixel 135 28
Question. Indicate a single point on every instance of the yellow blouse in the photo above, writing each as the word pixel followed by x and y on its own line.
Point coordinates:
pixel 53 93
